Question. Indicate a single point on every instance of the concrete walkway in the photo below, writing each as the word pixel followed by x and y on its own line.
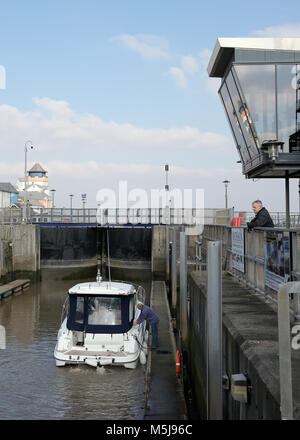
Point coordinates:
pixel 164 393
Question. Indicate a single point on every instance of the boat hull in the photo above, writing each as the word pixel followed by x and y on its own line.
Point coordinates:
pixel 129 361
pixel 89 313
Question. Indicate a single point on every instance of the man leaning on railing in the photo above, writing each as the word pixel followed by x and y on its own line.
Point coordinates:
pixel 262 217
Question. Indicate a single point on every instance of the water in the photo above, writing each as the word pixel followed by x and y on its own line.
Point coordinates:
pixel 32 387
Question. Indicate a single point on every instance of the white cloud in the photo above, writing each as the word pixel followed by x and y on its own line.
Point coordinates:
pixel 280 31
pixel 178 76
pixel 204 56
pixel 54 126
pixel 189 64
pixel 74 177
pixel 147 45
pixel 212 85
pixel 54 107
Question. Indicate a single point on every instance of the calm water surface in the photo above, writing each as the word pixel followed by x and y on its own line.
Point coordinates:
pixel 32 387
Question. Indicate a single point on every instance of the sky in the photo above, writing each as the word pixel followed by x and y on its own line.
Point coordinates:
pixel 110 91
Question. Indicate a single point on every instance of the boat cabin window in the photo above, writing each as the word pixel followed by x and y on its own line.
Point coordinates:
pixel 131 308
pixel 101 313
pixel 104 311
pixel 79 313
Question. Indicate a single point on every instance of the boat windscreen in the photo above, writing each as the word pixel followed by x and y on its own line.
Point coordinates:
pixel 100 314
pixel 104 311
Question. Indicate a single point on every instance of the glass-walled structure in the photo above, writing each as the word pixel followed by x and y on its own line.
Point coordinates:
pixel 260 92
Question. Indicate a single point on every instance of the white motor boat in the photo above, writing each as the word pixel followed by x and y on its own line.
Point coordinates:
pixel 97 325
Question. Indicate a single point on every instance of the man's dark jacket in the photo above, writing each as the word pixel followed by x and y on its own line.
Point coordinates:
pixel 262 219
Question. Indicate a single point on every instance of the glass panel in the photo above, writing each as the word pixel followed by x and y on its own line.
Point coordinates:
pixel 104 311
pixel 242 113
pixel 286 99
pixel 234 123
pixel 79 312
pixel 258 87
pixel 131 308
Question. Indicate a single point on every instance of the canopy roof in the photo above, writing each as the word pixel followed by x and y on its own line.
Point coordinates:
pixel 270 49
pixel 102 288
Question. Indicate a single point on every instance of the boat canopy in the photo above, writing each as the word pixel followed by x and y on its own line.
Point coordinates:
pixel 102 288
pixel 102 313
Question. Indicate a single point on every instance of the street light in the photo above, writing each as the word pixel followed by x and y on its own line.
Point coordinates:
pixel 83 198
pixel 167 195
pixel 71 210
pixel 53 194
pixel 71 197
pixel 226 193
pixel 25 180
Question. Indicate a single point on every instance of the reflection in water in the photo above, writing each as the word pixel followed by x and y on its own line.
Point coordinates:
pixel 32 387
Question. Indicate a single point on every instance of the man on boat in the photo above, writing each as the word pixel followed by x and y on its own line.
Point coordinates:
pixel 152 318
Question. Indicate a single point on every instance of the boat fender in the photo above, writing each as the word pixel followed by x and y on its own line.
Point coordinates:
pixel 142 357
pixel 178 366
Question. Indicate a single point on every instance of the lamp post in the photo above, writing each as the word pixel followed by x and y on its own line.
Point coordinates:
pixel 167 195
pixel 83 198
pixel 71 209
pixel 53 194
pixel 27 143
pixel 71 197
pixel 226 192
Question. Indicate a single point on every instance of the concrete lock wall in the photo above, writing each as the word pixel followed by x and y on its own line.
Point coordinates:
pixel 159 252
pixel 19 249
pixel 67 245
pixel 250 347
pixel 73 246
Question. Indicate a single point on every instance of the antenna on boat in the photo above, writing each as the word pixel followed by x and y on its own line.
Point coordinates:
pixel 98 277
pixel 108 258
pixel 99 258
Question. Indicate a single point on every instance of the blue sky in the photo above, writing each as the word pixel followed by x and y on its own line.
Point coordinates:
pixel 111 90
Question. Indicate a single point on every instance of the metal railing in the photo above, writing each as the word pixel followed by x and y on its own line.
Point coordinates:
pixel 147 216
pixel 279 218
pixel 263 259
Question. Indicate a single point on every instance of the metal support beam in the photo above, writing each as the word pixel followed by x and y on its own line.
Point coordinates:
pixel 167 254
pixel 174 270
pixel 214 331
pixel 183 285
pixel 287 201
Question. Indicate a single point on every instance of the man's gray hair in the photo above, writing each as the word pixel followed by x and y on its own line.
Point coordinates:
pixel 259 202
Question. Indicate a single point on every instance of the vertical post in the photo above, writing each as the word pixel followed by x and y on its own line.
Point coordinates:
pixel 214 331
pixel 226 192
pixel 71 207
pixel 174 270
pixel 287 201
pixel 167 253
pixel 167 206
pixel 299 193
pixel 183 285
pixel 25 187
pixel 285 363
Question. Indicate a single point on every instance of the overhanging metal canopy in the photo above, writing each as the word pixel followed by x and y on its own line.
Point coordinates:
pixel 260 92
